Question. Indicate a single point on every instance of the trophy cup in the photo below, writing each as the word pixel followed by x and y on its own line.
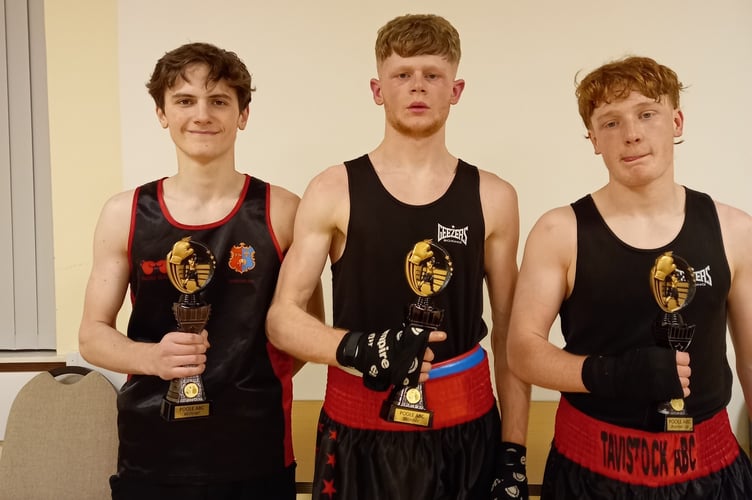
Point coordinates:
pixel 190 267
pixel 428 269
pixel 672 281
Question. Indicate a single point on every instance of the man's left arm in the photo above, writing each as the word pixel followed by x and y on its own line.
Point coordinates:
pixel 501 217
pixel 737 239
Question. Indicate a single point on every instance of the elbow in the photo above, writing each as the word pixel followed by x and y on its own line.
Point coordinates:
pixel 514 365
pixel 273 326
pixel 516 361
pixel 83 343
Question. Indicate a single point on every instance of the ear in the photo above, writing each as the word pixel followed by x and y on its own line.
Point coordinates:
pixel 593 141
pixel 243 118
pixel 376 91
pixel 457 87
pixel 161 117
pixel 678 123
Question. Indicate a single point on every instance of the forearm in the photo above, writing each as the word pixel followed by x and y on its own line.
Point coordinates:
pixel 744 372
pixel 298 333
pixel 513 394
pixel 538 362
pixel 104 346
pixel 514 402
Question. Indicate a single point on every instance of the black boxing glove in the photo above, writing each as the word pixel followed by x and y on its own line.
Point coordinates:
pixel 392 357
pixel 511 473
pixel 644 374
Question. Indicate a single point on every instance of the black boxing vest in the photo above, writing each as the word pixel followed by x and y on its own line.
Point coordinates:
pixel 370 290
pixel 247 380
pixel 612 309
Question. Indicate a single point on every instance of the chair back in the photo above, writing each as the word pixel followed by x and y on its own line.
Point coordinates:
pixel 61 438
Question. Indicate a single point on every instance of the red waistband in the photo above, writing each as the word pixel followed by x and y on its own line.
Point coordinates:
pixel 641 457
pixel 454 399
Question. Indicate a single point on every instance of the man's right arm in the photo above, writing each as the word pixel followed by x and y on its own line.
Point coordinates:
pixel 320 228
pixel 543 283
pixel 99 341
pixel 546 278
pixel 321 232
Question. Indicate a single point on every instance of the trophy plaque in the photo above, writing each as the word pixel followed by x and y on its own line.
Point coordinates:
pixel 190 267
pixel 672 281
pixel 428 269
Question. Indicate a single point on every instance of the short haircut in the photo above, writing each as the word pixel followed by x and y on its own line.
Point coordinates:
pixel 617 79
pixel 416 35
pixel 222 64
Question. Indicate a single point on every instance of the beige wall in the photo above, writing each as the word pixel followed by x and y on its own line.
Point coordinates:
pixel 82 74
pixel 311 63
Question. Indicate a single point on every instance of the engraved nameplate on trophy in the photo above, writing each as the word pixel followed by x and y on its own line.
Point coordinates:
pixel 190 267
pixel 428 268
pixel 672 282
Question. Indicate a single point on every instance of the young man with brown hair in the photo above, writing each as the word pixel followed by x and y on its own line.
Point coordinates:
pixel 459 225
pixel 242 449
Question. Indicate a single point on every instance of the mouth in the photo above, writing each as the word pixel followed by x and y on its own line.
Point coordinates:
pixel 633 158
pixel 417 106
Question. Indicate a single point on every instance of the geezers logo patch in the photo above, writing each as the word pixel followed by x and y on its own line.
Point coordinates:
pixel 451 234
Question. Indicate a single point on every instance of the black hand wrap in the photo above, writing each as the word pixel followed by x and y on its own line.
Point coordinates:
pixel 645 374
pixel 392 357
pixel 511 473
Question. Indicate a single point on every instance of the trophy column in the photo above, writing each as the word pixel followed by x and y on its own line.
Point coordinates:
pixel 673 286
pixel 190 268
pixel 428 269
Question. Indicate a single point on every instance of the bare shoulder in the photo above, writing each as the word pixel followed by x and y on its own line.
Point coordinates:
pixel 736 228
pixel 331 181
pixel 732 216
pixel 555 231
pixel 281 195
pixel 114 224
pixel 498 199
pixel 283 201
pixel 326 200
pixel 494 189
pixel 283 204
pixel 117 209
pixel 558 221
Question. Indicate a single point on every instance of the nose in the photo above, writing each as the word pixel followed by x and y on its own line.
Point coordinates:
pixel 202 112
pixel 632 132
pixel 418 84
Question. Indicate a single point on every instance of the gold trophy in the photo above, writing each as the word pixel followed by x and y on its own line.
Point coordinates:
pixel 428 269
pixel 190 267
pixel 672 281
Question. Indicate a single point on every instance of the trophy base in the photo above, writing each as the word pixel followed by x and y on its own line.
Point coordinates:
pixel 185 399
pixel 679 424
pixel 171 410
pixel 675 417
pixel 407 406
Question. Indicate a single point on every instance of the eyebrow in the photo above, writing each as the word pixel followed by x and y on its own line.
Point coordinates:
pixel 181 95
pixel 640 106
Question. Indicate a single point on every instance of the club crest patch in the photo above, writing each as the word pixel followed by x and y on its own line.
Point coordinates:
pixel 242 258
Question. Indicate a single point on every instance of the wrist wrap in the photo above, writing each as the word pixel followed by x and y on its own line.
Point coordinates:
pixel 511 472
pixel 392 357
pixel 643 374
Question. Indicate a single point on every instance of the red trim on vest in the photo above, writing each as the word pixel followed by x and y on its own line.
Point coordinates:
pixel 222 221
pixel 270 228
pixel 454 400
pixel 131 232
pixel 282 366
pixel 644 458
